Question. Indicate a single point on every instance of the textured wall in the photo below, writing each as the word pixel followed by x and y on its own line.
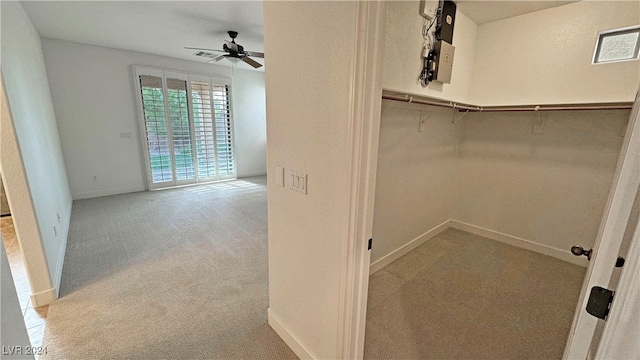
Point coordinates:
pixel 415 189
pixel 308 118
pixel 548 188
pixel 403 50
pixel 545 57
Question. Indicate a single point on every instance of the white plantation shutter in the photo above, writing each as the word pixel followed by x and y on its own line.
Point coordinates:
pixel 180 129
pixel 155 124
pixel 204 131
pixel 224 136
pixel 188 128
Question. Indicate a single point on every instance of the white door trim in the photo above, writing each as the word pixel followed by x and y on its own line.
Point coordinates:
pixel 621 336
pixel 609 238
pixel 365 104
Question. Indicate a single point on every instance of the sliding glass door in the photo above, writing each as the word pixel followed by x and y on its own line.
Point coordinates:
pixel 187 127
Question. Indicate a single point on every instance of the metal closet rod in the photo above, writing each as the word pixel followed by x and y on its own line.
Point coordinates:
pixel 472 108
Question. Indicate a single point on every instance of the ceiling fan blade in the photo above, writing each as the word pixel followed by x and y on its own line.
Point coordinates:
pixel 251 62
pixel 232 46
pixel 255 54
pixel 196 48
pixel 216 59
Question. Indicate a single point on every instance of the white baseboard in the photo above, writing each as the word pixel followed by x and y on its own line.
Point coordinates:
pixel 104 192
pixel 43 298
pixel 405 249
pixel 521 243
pixel 252 173
pixel 290 339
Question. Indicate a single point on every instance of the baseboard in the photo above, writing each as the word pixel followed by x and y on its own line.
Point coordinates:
pixel 405 249
pixel 43 298
pixel 253 173
pixel 289 338
pixel 105 192
pixel 519 242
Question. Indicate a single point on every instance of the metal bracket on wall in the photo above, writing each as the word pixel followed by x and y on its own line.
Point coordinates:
pixel 461 116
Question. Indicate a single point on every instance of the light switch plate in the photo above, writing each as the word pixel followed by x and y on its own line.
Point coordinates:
pixel 298 181
pixel 279 175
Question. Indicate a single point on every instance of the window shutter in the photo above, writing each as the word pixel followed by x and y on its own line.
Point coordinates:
pixel 155 123
pixel 224 140
pixel 203 124
pixel 188 127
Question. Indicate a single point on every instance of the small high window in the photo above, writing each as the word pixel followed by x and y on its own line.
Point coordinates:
pixel 617 45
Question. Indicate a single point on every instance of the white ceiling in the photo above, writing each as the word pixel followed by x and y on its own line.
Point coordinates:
pixel 486 11
pixel 165 27
pixel 154 27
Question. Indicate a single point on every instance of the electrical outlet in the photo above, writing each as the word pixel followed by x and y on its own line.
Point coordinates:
pixel 125 135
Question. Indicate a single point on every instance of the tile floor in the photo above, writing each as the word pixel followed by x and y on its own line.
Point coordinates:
pixel 34 318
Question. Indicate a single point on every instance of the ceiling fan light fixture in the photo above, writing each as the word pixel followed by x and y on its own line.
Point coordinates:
pixel 232 51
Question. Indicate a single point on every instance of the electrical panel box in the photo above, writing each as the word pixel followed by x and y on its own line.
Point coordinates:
pixel 429 8
pixel 446 21
pixel 444 61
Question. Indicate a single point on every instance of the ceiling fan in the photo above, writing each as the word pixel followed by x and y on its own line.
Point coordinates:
pixel 232 51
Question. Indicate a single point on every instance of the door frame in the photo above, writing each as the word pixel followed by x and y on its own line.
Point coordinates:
pixel 607 245
pixel 624 318
pixel 365 104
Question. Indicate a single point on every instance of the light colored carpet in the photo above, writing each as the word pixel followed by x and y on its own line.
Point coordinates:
pixel 172 274
pixel 462 296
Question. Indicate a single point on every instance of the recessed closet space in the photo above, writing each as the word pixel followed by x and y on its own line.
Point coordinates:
pixel 485 183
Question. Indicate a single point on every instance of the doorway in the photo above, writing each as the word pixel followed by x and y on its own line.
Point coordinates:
pixel 34 318
pixel 460 182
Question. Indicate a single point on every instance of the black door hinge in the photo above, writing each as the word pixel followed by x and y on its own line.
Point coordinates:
pixel 599 302
pixel 370 243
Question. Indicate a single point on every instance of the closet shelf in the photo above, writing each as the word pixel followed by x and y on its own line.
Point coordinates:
pixel 425 100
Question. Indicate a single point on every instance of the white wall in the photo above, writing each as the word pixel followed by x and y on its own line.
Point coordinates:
pixel 548 188
pixel 94 98
pixel 34 121
pixel 545 57
pixel 250 123
pixel 493 173
pixel 416 175
pixel 308 129
pixel 403 53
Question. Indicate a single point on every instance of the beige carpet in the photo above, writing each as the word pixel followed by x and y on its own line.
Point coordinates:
pixel 172 274
pixel 462 296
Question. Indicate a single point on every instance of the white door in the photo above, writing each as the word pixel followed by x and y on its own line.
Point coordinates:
pixel 621 336
pixel 607 246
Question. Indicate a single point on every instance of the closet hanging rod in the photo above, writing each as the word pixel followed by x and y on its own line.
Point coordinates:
pixel 515 108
